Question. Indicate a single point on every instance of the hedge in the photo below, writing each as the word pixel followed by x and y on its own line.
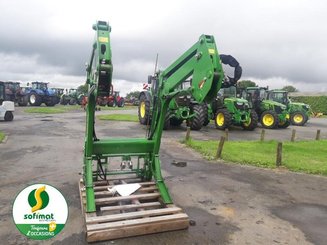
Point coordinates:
pixel 317 103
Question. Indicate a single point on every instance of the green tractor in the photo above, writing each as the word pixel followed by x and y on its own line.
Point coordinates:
pixel 72 97
pixel 228 110
pixel 181 108
pixel 272 114
pixel 299 112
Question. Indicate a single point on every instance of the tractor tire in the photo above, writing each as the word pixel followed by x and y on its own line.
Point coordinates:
pixel 63 101
pixel 121 102
pixel 24 101
pixel 253 123
pixel 206 116
pixel 144 111
pixel 72 102
pixel 34 99
pixel 51 101
pixel 175 121
pixel 197 121
pixel 284 124
pixel 9 116
pixel 298 118
pixel 269 119
pixel 167 122
pixel 223 119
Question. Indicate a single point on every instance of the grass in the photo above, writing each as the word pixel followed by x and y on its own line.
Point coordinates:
pixel 2 136
pixel 302 156
pixel 52 110
pixel 119 117
pixel 66 108
pixel 107 108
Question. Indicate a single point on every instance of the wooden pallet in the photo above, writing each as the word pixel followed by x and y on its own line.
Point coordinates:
pixel 138 214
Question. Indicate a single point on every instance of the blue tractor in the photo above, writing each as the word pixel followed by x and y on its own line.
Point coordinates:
pixel 40 93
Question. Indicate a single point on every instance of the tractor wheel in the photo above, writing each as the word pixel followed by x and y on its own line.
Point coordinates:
pixel 23 101
pixel 223 119
pixel 206 116
pixel 72 102
pixel 197 121
pixel 51 101
pixel 9 116
pixel 167 122
pixel 121 102
pixel 144 111
pixel 284 124
pixel 175 121
pixel 34 99
pixel 269 119
pixel 253 122
pixel 298 118
pixel 63 101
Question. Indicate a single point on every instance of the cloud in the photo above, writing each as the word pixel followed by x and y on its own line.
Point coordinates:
pixel 280 41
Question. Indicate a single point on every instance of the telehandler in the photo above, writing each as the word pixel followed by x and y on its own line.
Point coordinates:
pixel 133 164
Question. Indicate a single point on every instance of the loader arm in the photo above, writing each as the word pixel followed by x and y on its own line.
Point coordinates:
pixel 201 63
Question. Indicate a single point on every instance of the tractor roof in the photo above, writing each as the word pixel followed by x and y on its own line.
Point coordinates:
pixel 10 82
pixel 278 91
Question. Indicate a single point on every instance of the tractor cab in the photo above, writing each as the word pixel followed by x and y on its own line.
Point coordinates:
pixel 71 91
pixel 39 85
pixel 256 93
pixel 278 96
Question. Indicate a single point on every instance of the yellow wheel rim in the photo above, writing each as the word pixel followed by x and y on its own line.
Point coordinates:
pixel 298 118
pixel 268 120
pixel 142 109
pixel 248 123
pixel 220 119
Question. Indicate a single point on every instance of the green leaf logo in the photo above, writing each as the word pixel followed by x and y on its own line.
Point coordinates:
pixel 38 199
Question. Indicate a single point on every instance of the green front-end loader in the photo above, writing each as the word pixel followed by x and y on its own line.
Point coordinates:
pixel 114 166
pixel 271 114
pixel 299 112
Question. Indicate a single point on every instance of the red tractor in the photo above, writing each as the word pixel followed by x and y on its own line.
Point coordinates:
pixel 115 99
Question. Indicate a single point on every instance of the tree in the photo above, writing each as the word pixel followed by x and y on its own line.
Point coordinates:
pixel 290 88
pixel 82 89
pixel 246 83
pixel 133 94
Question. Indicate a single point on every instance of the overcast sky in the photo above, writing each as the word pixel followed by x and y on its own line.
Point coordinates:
pixel 277 42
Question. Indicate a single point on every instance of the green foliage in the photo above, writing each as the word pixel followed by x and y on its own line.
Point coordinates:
pixel 301 156
pixel 119 117
pixel 246 83
pixel 317 103
pixel 290 88
pixel 82 89
pixel 2 136
pixel 133 94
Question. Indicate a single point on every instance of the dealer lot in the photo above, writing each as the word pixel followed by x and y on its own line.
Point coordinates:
pixel 230 203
